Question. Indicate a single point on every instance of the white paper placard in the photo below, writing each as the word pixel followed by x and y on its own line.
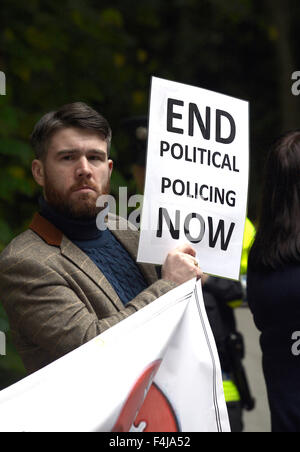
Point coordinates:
pixel 197 176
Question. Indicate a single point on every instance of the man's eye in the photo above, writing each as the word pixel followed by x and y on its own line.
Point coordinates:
pixel 67 157
pixel 95 157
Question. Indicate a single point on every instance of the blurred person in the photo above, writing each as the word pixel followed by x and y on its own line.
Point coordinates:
pixel 221 296
pixel 274 281
pixel 63 281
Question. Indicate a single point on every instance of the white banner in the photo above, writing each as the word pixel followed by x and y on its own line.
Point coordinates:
pixel 197 176
pixel 157 370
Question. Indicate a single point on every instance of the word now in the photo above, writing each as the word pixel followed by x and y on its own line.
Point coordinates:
pixel 214 233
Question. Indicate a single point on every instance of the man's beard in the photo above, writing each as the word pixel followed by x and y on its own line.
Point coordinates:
pixel 84 207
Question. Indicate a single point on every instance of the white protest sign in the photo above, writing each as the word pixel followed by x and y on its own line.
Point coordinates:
pixel 197 176
pixel 158 370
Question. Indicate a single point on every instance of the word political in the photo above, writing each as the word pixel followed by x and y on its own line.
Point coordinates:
pixel 199 155
pixel 2 84
pixel 2 343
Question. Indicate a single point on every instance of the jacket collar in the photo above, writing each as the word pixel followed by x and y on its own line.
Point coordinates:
pixel 46 230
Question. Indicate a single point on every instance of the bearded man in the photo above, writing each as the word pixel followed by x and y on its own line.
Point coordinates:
pixel 63 281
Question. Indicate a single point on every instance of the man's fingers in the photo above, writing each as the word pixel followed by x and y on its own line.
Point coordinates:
pixel 181 265
pixel 187 249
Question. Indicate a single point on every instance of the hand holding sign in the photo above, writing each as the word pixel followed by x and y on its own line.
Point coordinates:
pixel 180 265
pixel 197 176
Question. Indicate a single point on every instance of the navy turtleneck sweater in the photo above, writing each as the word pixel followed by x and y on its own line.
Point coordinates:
pixel 103 248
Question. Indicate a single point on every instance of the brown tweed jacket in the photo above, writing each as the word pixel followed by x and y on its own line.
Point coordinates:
pixel 56 298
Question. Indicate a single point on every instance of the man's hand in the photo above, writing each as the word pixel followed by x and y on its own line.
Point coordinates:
pixel 181 265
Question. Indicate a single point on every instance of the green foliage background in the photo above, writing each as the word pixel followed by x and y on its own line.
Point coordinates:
pixel 104 53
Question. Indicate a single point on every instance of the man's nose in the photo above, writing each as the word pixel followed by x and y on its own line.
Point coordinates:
pixel 83 167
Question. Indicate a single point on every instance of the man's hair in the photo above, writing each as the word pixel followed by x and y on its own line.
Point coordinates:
pixel 278 235
pixel 77 114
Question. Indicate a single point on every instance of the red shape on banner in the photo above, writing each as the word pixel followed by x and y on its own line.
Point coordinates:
pixel 156 414
pixel 151 414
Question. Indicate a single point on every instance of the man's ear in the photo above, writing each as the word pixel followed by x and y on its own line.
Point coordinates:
pixel 37 169
pixel 110 166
